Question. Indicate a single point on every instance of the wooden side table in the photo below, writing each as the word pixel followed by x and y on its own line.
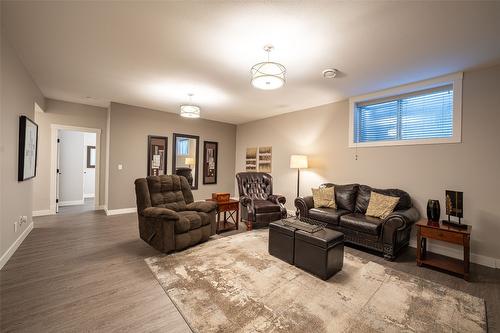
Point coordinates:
pixel 231 210
pixel 437 230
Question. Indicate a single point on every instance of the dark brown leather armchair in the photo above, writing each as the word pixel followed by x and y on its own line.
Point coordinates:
pixel 169 218
pixel 259 206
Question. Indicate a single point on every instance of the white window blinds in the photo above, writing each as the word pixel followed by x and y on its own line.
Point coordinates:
pixel 423 114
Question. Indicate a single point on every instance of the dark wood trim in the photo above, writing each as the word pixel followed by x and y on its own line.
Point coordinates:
pixel 197 154
pixel 205 166
pixel 150 138
pixel 89 149
pixel 22 141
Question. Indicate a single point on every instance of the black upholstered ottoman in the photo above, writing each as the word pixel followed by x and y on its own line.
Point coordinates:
pixel 281 241
pixel 320 253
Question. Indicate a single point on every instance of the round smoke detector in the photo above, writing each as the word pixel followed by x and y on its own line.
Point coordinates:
pixel 330 73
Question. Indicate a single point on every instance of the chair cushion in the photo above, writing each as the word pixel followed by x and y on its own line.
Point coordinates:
pixel 265 206
pixel 328 215
pixel 361 223
pixel 189 220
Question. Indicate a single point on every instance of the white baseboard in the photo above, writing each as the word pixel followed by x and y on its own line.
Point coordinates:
pixel 88 195
pixel 455 253
pixel 10 251
pixel 120 211
pixel 43 212
pixel 72 203
pixel 101 207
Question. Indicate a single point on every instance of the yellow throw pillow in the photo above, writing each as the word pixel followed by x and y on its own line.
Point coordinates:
pixel 324 197
pixel 381 205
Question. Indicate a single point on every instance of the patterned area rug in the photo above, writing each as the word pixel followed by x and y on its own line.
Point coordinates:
pixel 232 284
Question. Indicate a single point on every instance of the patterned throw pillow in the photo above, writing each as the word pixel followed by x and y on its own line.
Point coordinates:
pixel 381 205
pixel 324 197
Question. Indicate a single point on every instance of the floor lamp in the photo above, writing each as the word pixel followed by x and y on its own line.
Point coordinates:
pixel 298 162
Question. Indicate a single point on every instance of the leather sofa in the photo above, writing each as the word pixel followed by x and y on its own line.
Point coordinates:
pixel 259 206
pixel 387 236
pixel 169 218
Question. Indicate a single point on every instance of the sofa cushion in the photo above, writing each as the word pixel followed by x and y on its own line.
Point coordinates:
pixel 381 205
pixel 365 191
pixel 361 223
pixel 327 215
pixel 189 220
pixel 345 196
pixel 265 206
pixel 324 197
pixel 362 199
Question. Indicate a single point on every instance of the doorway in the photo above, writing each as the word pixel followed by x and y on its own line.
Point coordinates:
pixel 75 165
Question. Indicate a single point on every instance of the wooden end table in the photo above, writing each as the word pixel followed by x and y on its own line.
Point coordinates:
pixel 231 210
pixel 439 231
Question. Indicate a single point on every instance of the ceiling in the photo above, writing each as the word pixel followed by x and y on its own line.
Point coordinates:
pixel 153 54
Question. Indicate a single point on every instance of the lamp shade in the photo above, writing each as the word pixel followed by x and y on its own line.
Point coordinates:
pixel 298 161
pixel 189 161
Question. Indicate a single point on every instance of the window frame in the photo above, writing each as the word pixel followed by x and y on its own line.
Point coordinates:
pixel 454 79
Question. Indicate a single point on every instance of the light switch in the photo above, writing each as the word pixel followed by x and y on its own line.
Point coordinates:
pixel 120 166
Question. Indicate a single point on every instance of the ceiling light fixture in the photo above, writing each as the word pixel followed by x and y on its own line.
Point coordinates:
pixel 268 75
pixel 190 110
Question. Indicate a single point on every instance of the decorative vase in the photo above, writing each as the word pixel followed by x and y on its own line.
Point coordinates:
pixel 433 210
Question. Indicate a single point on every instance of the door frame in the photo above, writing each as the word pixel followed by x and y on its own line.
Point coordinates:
pixel 54 128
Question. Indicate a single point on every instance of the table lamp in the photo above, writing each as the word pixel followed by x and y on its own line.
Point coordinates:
pixel 298 162
pixel 189 161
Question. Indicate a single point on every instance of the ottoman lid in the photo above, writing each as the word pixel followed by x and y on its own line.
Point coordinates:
pixel 280 227
pixel 323 238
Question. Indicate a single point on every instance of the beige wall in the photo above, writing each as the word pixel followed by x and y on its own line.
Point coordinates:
pixel 67 114
pixel 425 171
pixel 18 95
pixel 129 129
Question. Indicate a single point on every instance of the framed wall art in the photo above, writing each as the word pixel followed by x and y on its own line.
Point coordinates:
pixel 210 151
pixel 28 146
pixel 157 155
pixel 91 158
pixel 265 159
pixel 251 159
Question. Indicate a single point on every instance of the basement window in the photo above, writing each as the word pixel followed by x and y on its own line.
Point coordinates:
pixel 422 113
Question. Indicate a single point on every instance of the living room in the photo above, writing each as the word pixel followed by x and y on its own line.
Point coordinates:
pixel 277 105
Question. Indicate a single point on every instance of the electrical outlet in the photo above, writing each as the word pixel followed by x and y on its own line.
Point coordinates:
pixel 15 226
pixel 23 220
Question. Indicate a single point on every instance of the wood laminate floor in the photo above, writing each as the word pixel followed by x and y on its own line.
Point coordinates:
pixel 84 272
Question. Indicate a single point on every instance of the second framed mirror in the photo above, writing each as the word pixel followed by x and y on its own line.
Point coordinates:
pixel 185 154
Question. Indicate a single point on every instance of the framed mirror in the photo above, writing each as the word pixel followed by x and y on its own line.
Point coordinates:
pixel 185 152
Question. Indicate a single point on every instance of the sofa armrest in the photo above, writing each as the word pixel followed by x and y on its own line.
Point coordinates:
pixel 277 199
pixel 162 213
pixel 398 220
pixel 202 206
pixel 303 204
pixel 245 200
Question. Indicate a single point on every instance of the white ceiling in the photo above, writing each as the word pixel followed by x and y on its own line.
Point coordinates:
pixel 153 54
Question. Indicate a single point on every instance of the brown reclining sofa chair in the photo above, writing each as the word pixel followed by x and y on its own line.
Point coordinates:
pixel 169 219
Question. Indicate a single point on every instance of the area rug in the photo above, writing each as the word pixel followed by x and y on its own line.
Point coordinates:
pixel 232 284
